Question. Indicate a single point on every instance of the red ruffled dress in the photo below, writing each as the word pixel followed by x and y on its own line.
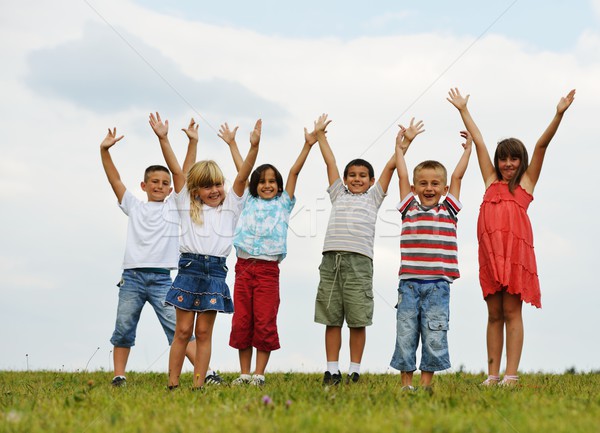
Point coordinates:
pixel 506 256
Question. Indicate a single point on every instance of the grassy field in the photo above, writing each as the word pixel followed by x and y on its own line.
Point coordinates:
pixel 292 402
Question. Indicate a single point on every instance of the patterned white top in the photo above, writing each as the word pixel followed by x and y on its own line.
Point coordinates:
pixel 262 228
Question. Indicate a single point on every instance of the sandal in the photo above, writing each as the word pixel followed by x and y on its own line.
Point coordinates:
pixel 491 381
pixel 509 380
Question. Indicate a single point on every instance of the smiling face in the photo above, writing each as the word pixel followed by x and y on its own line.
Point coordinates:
pixel 358 179
pixel 211 195
pixel 157 186
pixel 429 186
pixel 267 186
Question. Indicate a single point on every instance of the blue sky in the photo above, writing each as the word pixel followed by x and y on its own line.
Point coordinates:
pixel 370 65
pixel 552 24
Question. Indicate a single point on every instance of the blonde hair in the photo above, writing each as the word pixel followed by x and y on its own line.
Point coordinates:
pixel 202 174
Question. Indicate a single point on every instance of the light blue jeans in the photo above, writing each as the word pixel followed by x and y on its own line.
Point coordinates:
pixel 423 311
pixel 135 289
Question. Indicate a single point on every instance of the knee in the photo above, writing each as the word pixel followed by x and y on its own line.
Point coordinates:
pixel 496 317
pixel 512 315
pixel 183 333
pixel 203 335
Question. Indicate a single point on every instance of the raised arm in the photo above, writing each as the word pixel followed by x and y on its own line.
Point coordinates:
pixel 409 135
pixel 310 138
pixel 488 172
pixel 109 167
pixel 192 150
pixel 246 168
pixel 162 130
pixel 539 152
pixel 320 130
pixel 403 177
pixel 228 136
pixel 461 167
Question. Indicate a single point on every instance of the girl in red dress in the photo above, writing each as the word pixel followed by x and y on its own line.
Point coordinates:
pixel 507 267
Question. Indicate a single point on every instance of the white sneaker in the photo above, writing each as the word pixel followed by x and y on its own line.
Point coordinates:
pixel 257 380
pixel 244 379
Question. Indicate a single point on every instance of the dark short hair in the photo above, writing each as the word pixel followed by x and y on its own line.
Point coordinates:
pixel 514 148
pixel 257 174
pixel 154 168
pixel 359 163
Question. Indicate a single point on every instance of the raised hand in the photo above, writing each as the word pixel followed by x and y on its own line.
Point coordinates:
pixel 255 134
pixel 400 136
pixel 160 129
pixel 468 140
pixel 110 139
pixel 413 129
pixel 456 99
pixel 321 124
pixel 565 102
pixel 310 138
pixel 192 130
pixel 226 134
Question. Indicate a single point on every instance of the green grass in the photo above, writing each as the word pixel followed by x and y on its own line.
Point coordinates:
pixel 85 402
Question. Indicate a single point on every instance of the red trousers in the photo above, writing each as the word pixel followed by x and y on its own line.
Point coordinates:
pixel 256 303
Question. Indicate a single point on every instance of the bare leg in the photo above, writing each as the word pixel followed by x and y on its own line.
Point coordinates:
pixel 406 377
pixel 358 338
pixel 262 358
pixel 245 359
pixel 426 378
pixel 183 332
pixel 204 328
pixel 190 351
pixel 120 357
pixel 495 332
pixel 514 332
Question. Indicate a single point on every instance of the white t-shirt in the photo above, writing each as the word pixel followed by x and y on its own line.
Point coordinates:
pixel 215 236
pixel 152 233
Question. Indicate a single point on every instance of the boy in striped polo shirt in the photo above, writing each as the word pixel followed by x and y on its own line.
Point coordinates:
pixel 428 265
pixel 346 272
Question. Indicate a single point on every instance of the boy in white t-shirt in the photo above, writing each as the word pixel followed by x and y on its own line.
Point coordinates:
pixel 151 251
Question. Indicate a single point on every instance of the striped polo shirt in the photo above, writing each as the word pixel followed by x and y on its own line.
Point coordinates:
pixel 352 221
pixel 428 240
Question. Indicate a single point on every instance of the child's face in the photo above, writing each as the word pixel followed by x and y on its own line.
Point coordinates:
pixel 158 186
pixel 429 186
pixel 212 195
pixel 267 187
pixel 358 180
pixel 508 167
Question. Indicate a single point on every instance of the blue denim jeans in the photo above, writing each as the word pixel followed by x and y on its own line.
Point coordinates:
pixel 423 311
pixel 135 289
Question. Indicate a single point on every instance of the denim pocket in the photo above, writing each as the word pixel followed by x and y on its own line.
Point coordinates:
pixel 438 325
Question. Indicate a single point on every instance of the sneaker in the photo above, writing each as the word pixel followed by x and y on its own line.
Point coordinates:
pixel 213 379
pixel 332 379
pixel 244 379
pixel 407 388
pixel 352 378
pixel 257 380
pixel 119 381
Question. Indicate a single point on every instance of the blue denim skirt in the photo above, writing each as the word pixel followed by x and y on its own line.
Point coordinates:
pixel 200 285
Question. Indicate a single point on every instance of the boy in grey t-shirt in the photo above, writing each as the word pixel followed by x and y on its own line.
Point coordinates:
pixel 346 272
